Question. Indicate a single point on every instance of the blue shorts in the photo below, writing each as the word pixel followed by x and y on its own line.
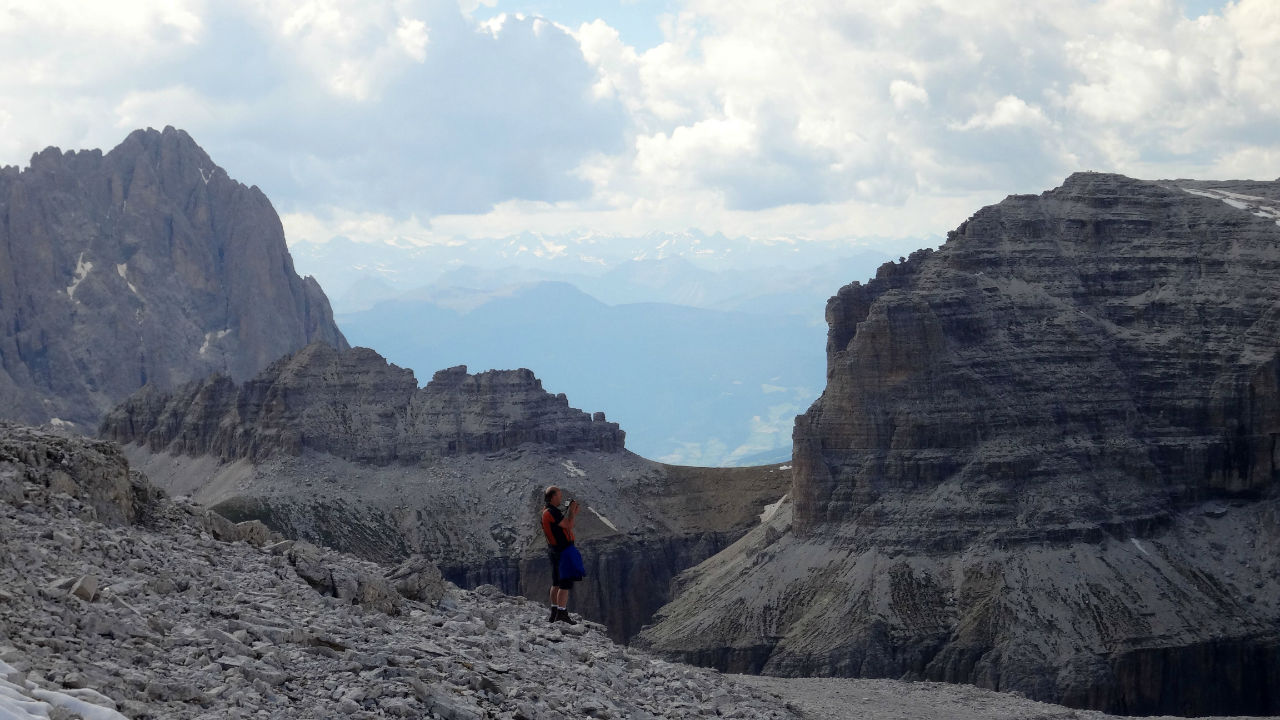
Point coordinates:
pixel 553 555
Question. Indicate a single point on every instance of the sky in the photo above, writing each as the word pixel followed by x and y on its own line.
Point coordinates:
pixel 432 121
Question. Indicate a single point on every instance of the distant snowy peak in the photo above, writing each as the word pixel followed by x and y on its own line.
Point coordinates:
pixel 587 252
pixel 690 268
pixel 1263 207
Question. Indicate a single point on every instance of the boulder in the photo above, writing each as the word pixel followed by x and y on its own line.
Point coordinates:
pixel 94 474
pixel 418 579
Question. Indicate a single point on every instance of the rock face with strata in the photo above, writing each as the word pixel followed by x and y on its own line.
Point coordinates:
pixel 144 265
pixel 355 405
pixel 1045 461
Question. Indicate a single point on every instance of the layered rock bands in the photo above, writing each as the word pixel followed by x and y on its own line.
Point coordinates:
pixel 1045 461
pixel 355 405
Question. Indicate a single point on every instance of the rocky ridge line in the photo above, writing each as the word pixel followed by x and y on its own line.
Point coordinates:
pixel 354 405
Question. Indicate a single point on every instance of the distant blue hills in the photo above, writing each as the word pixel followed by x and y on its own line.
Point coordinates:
pixel 689 385
pixel 703 347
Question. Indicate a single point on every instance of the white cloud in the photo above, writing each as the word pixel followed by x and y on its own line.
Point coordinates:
pixel 176 105
pixel 905 94
pixel 361 227
pixel 834 118
pixel 412 35
pixel 1009 111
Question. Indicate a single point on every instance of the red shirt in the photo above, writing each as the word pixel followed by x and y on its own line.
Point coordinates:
pixel 557 536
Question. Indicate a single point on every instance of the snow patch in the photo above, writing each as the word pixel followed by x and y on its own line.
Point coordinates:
pixel 82 270
pixel 1139 546
pixel 1259 206
pixel 59 422
pixel 784 467
pixel 123 271
pixel 21 699
pixel 86 710
pixel 575 471
pixel 771 510
pixel 205 177
pixel 210 338
pixel 604 519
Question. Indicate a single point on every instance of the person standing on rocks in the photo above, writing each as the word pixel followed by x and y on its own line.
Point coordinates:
pixel 558 527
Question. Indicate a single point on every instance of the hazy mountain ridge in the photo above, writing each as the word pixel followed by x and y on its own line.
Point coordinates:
pixel 387 295
pixel 712 272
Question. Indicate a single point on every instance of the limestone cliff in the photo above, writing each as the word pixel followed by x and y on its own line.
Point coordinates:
pixel 146 265
pixel 1045 460
pixel 355 405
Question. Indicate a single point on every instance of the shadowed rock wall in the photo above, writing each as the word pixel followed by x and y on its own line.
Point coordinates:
pixel 1044 461
pixel 146 265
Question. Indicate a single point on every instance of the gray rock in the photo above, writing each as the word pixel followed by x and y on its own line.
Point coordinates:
pixel 1002 481
pixel 152 236
pixel 256 533
pixel 418 579
pixel 95 474
pixel 85 588
pixel 376 414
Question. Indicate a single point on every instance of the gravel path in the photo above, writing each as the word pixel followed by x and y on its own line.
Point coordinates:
pixel 850 699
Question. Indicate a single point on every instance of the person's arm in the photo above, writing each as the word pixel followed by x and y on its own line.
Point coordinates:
pixel 571 516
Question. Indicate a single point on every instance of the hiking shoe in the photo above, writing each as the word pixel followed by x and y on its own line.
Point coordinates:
pixel 555 614
pixel 564 618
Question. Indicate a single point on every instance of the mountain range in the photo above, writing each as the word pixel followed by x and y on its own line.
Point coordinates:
pixel 1043 459
pixel 693 269
pixel 704 346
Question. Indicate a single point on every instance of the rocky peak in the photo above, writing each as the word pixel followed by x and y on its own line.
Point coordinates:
pixel 1042 462
pixel 355 405
pixel 147 264
pixel 1083 304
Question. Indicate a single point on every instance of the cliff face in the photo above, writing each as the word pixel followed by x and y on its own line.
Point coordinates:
pixel 1045 460
pixel 146 265
pixel 1114 329
pixel 355 405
